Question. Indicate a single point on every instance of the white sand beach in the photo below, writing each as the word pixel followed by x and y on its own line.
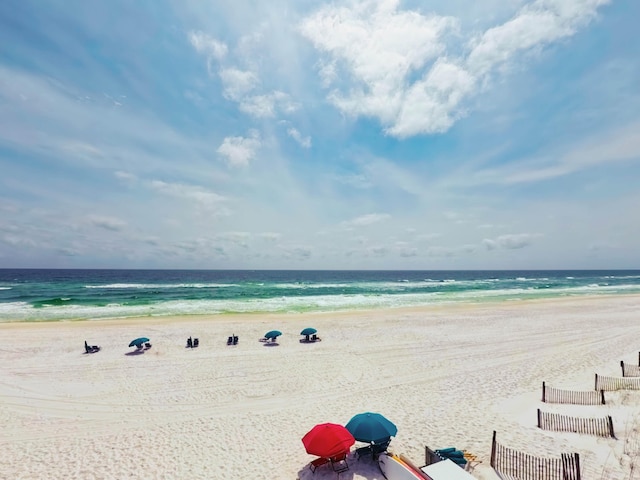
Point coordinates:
pixel 446 376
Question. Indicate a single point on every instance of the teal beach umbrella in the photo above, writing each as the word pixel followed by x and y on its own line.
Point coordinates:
pixel 308 331
pixel 273 334
pixel 138 341
pixel 371 427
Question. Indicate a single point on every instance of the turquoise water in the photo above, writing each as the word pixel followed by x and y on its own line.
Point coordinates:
pixel 50 295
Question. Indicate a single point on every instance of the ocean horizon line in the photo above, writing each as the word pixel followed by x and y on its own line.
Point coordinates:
pixel 327 269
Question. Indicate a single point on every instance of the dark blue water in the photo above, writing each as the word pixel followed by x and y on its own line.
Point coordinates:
pixel 45 295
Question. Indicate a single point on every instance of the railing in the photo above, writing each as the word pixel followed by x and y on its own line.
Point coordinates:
pixel 554 395
pixel 602 427
pixel 523 466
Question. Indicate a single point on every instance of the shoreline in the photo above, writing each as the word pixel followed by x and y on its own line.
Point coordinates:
pixel 242 316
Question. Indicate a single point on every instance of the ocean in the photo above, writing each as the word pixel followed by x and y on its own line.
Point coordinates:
pixel 32 295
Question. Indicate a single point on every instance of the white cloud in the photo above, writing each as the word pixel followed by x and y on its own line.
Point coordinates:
pixel 297 252
pixel 243 86
pixel 194 193
pixel 107 223
pixel 18 240
pixel 270 236
pixel 262 106
pixel 397 65
pixel 298 137
pixel 208 45
pixel 366 220
pixel 408 252
pixel 239 239
pixel 510 242
pixel 237 83
pixel 125 176
pixel 535 25
pixel 239 151
pixel 379 48
pixel 430 105
pixel 377 251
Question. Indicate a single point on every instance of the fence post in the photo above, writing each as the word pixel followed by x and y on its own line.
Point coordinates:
pixel 577 466
pixel 596 387
pixel 611 427
pixel 539 422
pixel 492 462
pixel 602 396
pixel 543 393
pixel 622 366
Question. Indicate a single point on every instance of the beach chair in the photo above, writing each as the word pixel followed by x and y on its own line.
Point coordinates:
pixel 196 343
pixel 230 341
pixel 95 348
pixel 189 343
pixel 147 345
pixel 235 339
pixel 315 338
pixel 364 451
pixel 317 463
pixel 339 463
pixel 379 448
pixel 87 348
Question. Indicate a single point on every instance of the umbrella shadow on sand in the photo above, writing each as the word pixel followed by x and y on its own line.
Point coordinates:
pixel 271 344
pixel 364 470
pixel 135 352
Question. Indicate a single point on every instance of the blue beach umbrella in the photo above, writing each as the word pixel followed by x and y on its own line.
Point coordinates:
pixel 273 334
pixel 371 427
pixel 138 341
pixel 308 331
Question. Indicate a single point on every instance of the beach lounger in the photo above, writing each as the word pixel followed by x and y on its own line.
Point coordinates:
pixel 196 343
pixel 235 339
pixel 315 338
pixel 230 341
pixel 147 345
pixel 189 343
pixel 95 348
pixel 339 463
pixel 317 463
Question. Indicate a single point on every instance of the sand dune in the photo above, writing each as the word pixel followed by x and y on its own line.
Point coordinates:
pixel 446 376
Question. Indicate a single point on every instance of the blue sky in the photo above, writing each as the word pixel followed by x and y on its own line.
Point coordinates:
pixel 486 134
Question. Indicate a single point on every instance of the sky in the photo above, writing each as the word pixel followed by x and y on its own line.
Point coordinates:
pixel 298 134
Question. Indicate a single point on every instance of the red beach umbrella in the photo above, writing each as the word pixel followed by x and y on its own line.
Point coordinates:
pixel 328 440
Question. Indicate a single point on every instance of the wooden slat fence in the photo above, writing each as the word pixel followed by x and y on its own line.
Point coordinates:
pixel 630 370
pixel 555 395
pixel 617 383
pixel 523 466
pixel 601 427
